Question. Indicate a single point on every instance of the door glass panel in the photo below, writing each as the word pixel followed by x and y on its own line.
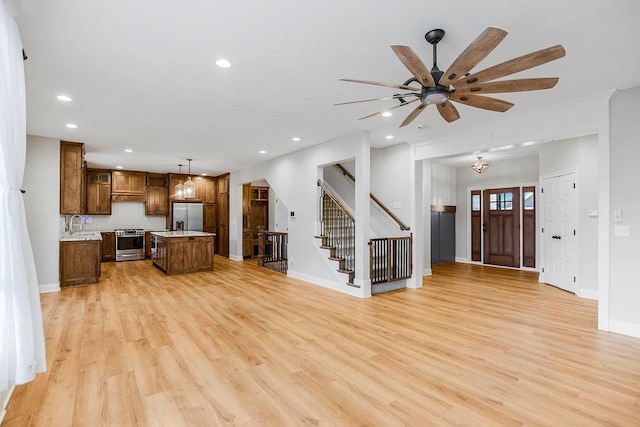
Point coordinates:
pixel 475 202
pixel 528 201
pixel 501 201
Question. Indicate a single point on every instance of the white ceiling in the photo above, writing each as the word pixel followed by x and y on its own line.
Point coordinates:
pixel 142 74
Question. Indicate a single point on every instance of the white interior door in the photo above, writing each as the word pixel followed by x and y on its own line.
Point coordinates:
pixel 559 231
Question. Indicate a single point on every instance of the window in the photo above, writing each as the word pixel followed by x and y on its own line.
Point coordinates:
pixel 529 201
pixel 501 201
pixel 475 202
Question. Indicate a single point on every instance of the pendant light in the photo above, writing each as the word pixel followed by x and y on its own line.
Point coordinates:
pixel 479 166
pixel 179 187
pixel 189 186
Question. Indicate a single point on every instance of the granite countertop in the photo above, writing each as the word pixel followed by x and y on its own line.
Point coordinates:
pixel 182 234
pixel 81 235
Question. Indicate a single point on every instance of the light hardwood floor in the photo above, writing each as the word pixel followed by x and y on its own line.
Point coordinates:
pixel 246 346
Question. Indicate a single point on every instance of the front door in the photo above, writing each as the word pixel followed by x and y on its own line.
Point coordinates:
pixel 501 226
pixel 559 231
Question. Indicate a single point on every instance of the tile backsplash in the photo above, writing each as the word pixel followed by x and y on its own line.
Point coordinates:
pixel 124 215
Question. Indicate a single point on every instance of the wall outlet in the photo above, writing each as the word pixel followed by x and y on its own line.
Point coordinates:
pixel 621 230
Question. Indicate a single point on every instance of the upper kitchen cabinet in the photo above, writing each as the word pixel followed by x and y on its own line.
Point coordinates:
pixel 208 190
pixel 129 186
pixel 72 195
pixel 98 192
pixel 175 178
pixel 157 195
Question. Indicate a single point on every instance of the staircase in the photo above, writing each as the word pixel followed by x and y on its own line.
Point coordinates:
pixel 337 233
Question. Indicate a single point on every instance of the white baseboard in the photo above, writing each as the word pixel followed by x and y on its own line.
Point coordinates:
pixel 336 286
pixel 236 257
pixel 625 328
pixel 49 287
pixel 5 395
pixel 587 293
pixel 427 272
pixel 462 259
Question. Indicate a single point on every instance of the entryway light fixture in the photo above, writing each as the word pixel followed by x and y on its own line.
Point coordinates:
pixel 479 166
pixel 189 186
pixel 179 187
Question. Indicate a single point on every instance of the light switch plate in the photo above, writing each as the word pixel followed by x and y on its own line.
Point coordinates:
pixel 621 230
pixel 592 213
pixel 397 205
pixel 617 215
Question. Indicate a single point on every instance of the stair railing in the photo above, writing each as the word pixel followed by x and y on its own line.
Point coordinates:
pixel 337 228
pixel 402 225
pixel 272 250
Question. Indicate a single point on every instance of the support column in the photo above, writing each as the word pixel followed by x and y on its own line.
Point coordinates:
pixel 362 215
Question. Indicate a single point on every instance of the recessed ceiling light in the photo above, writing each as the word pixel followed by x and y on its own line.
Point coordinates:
pixel 128 150
pixel 204 174
pixel 118 167
pixel 387 114
pixel 263 152
pixel 71 126
pixel 64 98
pixel 524 144
pixel 295 139
pixel 223 63
pixel 389 137
pixel 503 147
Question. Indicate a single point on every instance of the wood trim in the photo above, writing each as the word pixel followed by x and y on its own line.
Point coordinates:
pixel 443 208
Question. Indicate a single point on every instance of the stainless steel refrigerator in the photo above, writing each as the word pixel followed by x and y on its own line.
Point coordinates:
pixel 187 216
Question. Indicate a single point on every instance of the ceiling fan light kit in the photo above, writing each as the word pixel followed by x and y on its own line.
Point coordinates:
pixel 457 83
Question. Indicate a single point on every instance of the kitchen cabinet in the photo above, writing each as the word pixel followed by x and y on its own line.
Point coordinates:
pixel 79 262
pixel 222 208
pixel 147 244
pixel 129 186
pixel 209 217
pixel 184 252
pixel 72 194
pixel 255 216
pixel 208 190
pixel 157 201
pixel 98 192
pixel 199 182
pixel 108 246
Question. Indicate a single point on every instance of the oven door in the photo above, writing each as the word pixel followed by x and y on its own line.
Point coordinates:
pixel 129 247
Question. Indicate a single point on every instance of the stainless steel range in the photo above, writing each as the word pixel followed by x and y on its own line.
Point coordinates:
pixel 129 244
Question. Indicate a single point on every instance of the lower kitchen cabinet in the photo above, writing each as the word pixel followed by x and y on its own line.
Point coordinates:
pixel 108 246
pixel 79 262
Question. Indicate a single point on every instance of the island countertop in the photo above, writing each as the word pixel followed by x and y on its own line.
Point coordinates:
pixel 181 234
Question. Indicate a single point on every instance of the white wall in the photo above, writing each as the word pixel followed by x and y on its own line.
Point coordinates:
pixel 624 148
pixel 443 185
pixel 505 173
pixel 582 154
pixel 42 204
pixel 293 177
pixel 390 177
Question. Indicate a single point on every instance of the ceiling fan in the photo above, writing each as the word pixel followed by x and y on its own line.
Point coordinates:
pixel 457 83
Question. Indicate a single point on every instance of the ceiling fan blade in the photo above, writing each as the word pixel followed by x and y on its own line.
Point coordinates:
pixel 405 95
pixel 387 109
pixel 415 113
pixel 393 85
pixel 414 64
pixel 520 85
pixel 512 66
pixel 448 111
pixel 482 46
pixel 484 102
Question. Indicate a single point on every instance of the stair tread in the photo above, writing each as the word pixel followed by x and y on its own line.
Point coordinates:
pixel 333 258
pixel 345 271
pixel 327 247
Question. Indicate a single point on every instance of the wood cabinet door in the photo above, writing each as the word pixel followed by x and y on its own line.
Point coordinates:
pixel 129 182
pixel 201 255
pixel 209 217
pixel 157 201
pixel 71 180
pixel 208 190
pixel 98 199
pixel 108 246
pixel 222 234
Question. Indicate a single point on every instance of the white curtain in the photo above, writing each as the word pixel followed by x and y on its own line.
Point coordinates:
pixel 22 352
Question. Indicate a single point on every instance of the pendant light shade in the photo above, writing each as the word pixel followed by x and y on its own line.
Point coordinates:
pixel 179 188
pixel 189 186
pixel 479 166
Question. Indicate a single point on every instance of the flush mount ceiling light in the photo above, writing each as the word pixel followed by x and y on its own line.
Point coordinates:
pixel 128 150
pixel 223 63
pixel 263 152
pixel 389 137
pixel 64 98
pixel 387 114
pixel 71 126
pixel 189 186
pixel 179 186
pixel 118 167
pixel 479 166
pixel 295 139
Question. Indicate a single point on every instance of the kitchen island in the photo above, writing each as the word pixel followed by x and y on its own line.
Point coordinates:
pixel 179 252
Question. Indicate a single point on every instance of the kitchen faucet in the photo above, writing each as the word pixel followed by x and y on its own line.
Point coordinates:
pixel 71 230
